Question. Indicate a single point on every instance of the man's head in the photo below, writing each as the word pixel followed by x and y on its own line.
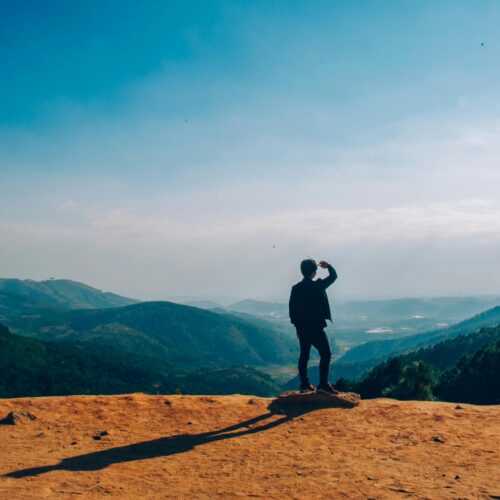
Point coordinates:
pixel 308 268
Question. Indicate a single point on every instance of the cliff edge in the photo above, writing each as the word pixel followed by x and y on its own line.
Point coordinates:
pixel 136 445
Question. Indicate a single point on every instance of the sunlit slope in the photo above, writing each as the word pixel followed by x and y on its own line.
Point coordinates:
pixel 29 297
pixel 170 332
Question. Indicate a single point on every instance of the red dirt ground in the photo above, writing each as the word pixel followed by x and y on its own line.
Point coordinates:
pixel 231 446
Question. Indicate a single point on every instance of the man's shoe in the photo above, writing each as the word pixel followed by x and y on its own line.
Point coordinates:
pixel 327 387
pixel 307 387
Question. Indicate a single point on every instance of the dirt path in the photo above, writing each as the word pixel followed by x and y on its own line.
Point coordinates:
pixel 231 446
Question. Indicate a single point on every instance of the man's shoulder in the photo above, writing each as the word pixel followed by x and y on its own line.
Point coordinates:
pixel 300 284
pixel 297 287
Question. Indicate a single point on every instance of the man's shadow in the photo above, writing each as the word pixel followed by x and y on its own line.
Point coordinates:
pixel 167 446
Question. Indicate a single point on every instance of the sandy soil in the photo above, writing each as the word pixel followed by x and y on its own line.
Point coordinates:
pixel 231 446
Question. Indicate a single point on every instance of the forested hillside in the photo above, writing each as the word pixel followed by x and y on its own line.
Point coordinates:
pixel 31 367
pixel 464 369
pixel 183 335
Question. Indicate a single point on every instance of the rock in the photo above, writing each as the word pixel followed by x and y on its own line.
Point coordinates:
pixel 100 435
pixel 209 400
pixel 18 417
pixel 458 407
pixel 438 439
pixel 320 399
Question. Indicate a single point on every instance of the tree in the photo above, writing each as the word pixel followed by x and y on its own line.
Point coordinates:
pixel 417 382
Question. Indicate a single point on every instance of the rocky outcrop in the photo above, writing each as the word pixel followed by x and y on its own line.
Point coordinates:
pixel 319 399
pixel 18 417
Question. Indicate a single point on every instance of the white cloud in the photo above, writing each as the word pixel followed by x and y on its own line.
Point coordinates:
pixel 157 255
pixel 68 205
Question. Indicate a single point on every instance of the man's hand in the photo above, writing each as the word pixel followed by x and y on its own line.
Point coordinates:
pixel 324 264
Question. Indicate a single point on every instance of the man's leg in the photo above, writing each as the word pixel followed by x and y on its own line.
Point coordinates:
pixel 305 351
pixel 320 342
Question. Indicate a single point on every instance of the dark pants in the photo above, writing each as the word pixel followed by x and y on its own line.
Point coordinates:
pixel 314 337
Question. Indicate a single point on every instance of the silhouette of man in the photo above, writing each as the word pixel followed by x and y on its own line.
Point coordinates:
pixel 309 310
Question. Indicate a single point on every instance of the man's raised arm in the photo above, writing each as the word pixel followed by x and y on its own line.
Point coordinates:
pixel 332 274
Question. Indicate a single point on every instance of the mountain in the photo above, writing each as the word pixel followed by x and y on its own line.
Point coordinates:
pixel 31 367
pixel 19 297
pixel 170 332
pixel 380 349
pixel 235 447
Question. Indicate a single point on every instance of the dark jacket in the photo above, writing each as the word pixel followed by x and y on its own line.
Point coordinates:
pixel 308 305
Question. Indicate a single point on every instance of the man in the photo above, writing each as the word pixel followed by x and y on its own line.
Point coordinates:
pixel 309 310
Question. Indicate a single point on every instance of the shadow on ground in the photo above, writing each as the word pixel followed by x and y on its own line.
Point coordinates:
pixel 172 445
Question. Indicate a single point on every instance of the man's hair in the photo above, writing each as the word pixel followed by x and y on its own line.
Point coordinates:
pixel 307 267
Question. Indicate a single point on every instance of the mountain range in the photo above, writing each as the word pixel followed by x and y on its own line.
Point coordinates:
pixel 451 309
pixel 191 348
pixel 64 310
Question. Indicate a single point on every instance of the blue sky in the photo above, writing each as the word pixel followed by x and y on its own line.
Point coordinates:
pixel 146 145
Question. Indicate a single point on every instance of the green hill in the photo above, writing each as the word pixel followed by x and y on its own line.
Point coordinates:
pixel 170 332
pixel 31 367
pixel 18 297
